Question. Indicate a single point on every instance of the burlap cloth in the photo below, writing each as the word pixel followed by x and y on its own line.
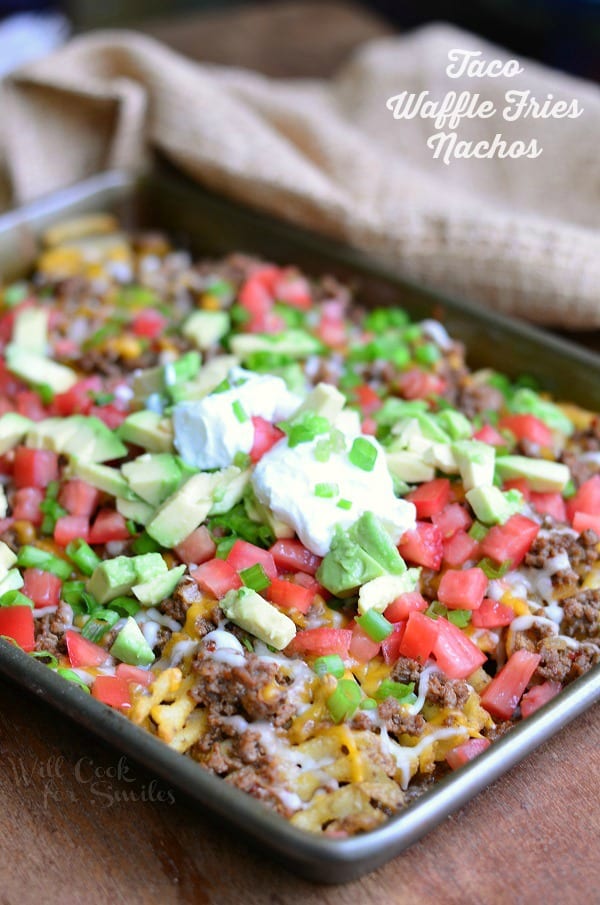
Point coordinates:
pixel 518 235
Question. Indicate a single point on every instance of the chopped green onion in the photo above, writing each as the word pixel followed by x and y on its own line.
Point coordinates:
pixel 349 380
pixel 460 618
pixel 381 319
pixel 224 546
pixel 344 701
pixel 15 293
pixel 331 664
pixel 248 645
pixel 15 598
pixel 404 694
pixel 75 594
pixel 45 655
pixel 125 606
pixel 239 411
pixel 427 354
pixel 30 557
pixel 145 544
pixel 305 428
pixel 255 577
pixel 221 387
pixel 101 398
pixel 412 333
pixel 477 531
pixel 242 460
pixel 368 704
pixel 344 504
pixel 492 570
pixel 570 489
pixel 82 555
pixel 99 622
pixel 131 526
pixel 45 392
pixel 375 625
pixel 326 491
pixel 72 676
pixel 363 454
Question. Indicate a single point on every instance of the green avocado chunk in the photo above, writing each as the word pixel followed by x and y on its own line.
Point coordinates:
pixel 153 591
pixel 131 647
pixel 116 577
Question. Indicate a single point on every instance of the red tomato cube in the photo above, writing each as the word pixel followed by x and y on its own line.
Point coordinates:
pixel 527 427
pixel 112 690
pixel 454 652
pixel 419 637
pixel 266 435
pixel 510 541
pixel 198 547
pixel 16 622
pixel 587 498
pixel 42 587
pixel 108 525
pixel 431 497
pixel 34 467
pixel 401 608
pixel 134 675
pixel 549 504
pixel 538 696
pixel 451 519
pixel 362 647
pixel 289 595
pixel 462 754
pixel 492 614
pixel 318 642
pixel 83 652
pixel 390 646
pixel 463 589
pixel 502 695
pixel 26 505
pixel 78 497
pixel 216 577
pixel 243 555
pixel 423 546
pixel 293 556
pixel 70 527
pixel 459 548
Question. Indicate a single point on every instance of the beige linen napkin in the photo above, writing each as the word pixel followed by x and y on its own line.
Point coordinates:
pixel 519 235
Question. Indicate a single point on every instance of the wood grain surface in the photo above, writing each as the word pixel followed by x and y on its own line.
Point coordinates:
pixel 81 826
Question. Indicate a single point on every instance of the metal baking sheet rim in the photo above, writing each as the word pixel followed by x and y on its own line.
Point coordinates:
pixel 313 856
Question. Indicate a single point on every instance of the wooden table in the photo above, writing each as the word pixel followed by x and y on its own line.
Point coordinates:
pixel 80 825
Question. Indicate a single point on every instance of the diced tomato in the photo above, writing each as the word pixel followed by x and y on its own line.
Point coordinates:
pixel 243 555
pixel 78 497
pixel 293 289
pixel 26 505
pixel 134 675
pixel 112 416
pixel 423 546
pixel 42 587
pixel 149 322
pixel 319 642
pixel 198 547
pixel 418 384
pixel 492 614
pixel 587 498
pixel 582 521
pixel 30 405
pixel 9 385
pixel 454 652
pixel 510 541
pixel 307 581
pixel 83 652
pixel 463 589
pixel 527 427
pixel 390 646
pixel 519 484
pixel 78 399
pixel 401 608
pixel 6 523
pixel 549 504
pixel 332 331
pixel 459 548
pixel 34 467
pixel 266 435
pixel 431 497
pixel 70 527
pixel 419 637
pixel 65 348
pixel 216 577
pixel 256 294
pixel 108 525
pixel 112 690
pixel 451 519
pixel 290 595
pixel 501 697
pixel 462 754
pixel 488 434
pixel 367 399
pixel 362 647
pixel 16 622
pixel 292 556
pixel 369 427
pixel 537 696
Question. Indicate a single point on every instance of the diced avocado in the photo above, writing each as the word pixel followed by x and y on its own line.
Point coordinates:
pixel 407 435
pixel 182 512
pixel 131 647
pixel 541 475
pixel 251 612
pixel 492 506
pixel 231 486
pixel 263 515
pixel 36 369
pixel 102 477
pixel 153 476
pixel 50 433
pixel 347 566
pixel 440 456
pixel 13 428
pixel 324 400
pixel 88 438
pixel 210 376
pixel 112 578
pixel 476 462
pixel 426 426
pixel 370 533
pixel 149 430
pixel 205 328
pixel 526 401
pixel 12 581
pixel 378 593
pixel 409 466
pixel 104 445
pixel 30 330
pixel 148 566
pixel 7 557
pixel 136 510
pixel 456 425
pixel 161 379
pixel 294 342
pixel 153 591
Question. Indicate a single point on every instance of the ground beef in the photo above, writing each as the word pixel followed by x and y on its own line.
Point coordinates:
pixel 47 639
pixel 447 692
pixel 532 638
pixel 256 690
pixel 497 730
pixel 184 595
pixel 565 664
pixel 163 636
pixel 250 780
pixel 581 469
pixel 581 618
pixel 473 398
pixel 397 719
pixel 406 670
pixel 581 550
pixel 588 440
